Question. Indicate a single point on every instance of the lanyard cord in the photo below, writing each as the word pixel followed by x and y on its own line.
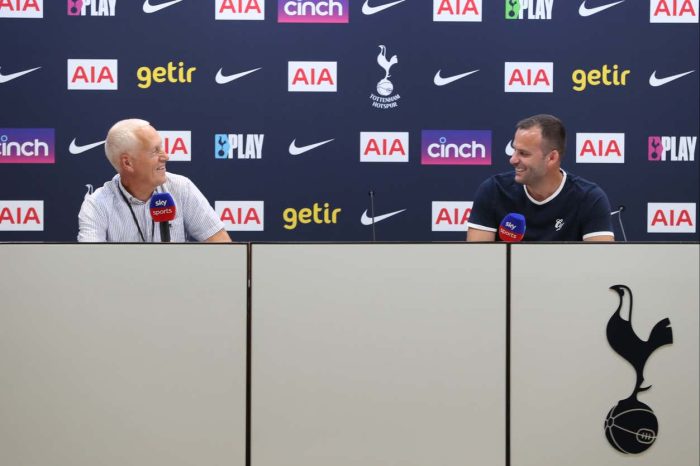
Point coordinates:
pixel 133 215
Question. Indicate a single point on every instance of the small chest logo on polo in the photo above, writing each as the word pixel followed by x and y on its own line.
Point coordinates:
pixel 559 224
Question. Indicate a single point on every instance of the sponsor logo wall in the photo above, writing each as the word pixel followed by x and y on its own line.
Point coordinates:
pixel 339 120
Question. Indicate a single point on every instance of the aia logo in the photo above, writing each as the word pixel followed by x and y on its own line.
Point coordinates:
pixel 673 11
pixel 21 215
pixel 672 148
pixel 21 8
pixel 666 217
pixel 239 10
pixel 457 10
pixel 383 147
pixel 600 147
pixel 241 215
pixel 178 145
pixel 451 216
pixel 529 9
pixel 313 76
pixel 92 75
pixel 313 11
pixel 238 146
pixel 529 77
pixel 92 7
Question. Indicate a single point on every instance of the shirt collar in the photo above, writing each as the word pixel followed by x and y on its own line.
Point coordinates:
pixel 554 194
pixel 127 194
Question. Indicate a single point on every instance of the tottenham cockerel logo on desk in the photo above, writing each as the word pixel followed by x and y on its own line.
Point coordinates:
pixel 631 426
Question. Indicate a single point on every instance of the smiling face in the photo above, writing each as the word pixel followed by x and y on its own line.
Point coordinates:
pixel 146 163
pixel 532 160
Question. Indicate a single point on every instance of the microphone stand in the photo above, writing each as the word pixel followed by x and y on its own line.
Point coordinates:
pixel 371 208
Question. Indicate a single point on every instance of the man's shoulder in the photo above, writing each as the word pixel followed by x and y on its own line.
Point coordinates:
pixel 582 185
pixel 106 193
pixel 175 181
pixel 504 181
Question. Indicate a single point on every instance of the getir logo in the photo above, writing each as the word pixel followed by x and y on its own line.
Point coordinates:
pixel 606 76
pixel 92 75
pixel 313 11
pixel 318 214
pixel 21 8
pixel 178 145
pixel 313 76
pixel 443 147
pixel 672 148
pixel 451 216
pixel 21 215
pixel 673 11
pixel 529 9
pixel 92 7
pixel 663 217
pixel 600 147
pixel 174 74
pixel 27 145
pixel 383 147
pixel 241 215
pixel 457 10
pixel 239 10
pixel 529 77
pixel 238 146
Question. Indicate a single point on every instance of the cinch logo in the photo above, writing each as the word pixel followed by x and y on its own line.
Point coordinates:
pixel 240 9
pixel 605 77
pixel 21 215
pixel 160 74
pixel 238 146
pixel 383 147
pixel 313 11
pixel 178 145
pixel 600 147
pixel 675 149
pixel 673 11
pixel 455 147
pixel 451 216
pixel 92 7
pixel 320 215
pixel 457 10
pixel 313 76
pixel 533 9
pixel 241 215
pixel 27 145
pixel 529 77
pixel 671 217
pixel 21 8
pixel 92 75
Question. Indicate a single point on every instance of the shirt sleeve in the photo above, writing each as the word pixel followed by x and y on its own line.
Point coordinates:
pixel 483 215
pixel 92 222
pixel 201 222
pixel 598 221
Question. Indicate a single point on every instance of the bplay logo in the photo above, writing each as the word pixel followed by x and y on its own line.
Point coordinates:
pixel 171 73
pixel 385 88
pixel 317 214
pixel 241 215
pixel 313 11
pixel 178 145
pixel 27 145
pixel 92 7
pixel 529 77
pixel 21 8
pixel 606 76
pixel 312 76
pixel 666 217
pixel 21 215
pixel 383 147
pixel 238 146
pixel 444 147
pixel 451 216
pixel 92 75
pixel 239 10
pixel 457 10
pixel 672 148
pixel 529 9
pixel 600 147
pixel 673 11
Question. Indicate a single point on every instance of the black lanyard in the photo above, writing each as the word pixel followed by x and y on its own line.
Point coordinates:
pixel 133 215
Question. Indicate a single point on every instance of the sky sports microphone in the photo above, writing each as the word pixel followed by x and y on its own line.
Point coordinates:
pixel 512 228
pixel 163 212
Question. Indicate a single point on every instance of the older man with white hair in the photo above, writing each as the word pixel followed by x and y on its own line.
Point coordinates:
pixel 119 210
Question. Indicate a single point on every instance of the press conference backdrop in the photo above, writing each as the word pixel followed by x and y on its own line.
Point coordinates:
pixel 287 114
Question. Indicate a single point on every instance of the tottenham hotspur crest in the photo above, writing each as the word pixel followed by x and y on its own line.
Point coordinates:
pixel 385 88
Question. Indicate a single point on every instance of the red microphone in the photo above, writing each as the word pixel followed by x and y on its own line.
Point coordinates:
pixel 512 228
pixel 163 211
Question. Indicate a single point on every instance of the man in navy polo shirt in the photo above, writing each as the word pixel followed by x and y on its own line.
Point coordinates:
pixel 557 206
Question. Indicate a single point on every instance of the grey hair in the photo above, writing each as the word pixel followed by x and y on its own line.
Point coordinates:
pixel 122 138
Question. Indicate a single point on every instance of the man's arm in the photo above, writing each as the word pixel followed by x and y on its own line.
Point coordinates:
pixel 92 223
pixel 599 225
pixel 474 234
pixel 220 236
pixel 604 237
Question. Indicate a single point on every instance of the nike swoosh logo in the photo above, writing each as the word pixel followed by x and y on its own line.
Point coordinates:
pixel 366 220
pixel 510 150
pixel 76 149
pixel 294 150
pixel 221 79
pixel 148 8
pixel 10 77
pixel 440 81
pixel 583 11
pixel 656 82
pixel 370 10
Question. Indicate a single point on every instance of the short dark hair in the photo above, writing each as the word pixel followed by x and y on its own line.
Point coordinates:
pixel 553 131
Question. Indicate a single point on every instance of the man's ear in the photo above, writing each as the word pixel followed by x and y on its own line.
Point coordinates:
pixel 125 162
pixel 554 156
